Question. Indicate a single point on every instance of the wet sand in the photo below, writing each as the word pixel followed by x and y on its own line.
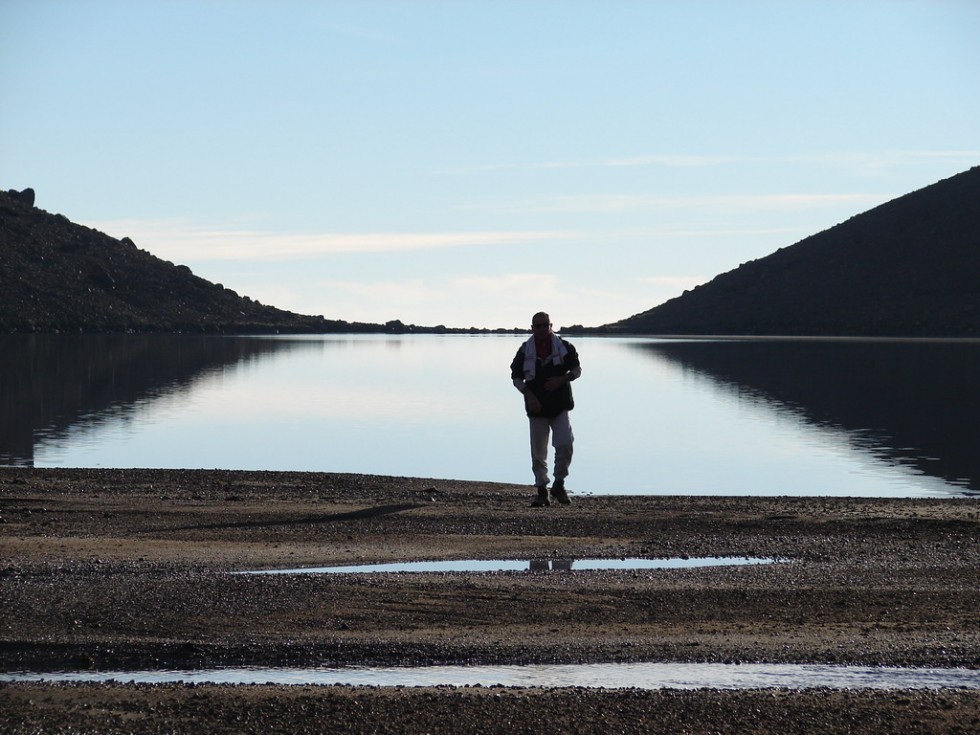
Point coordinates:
pixel 127 569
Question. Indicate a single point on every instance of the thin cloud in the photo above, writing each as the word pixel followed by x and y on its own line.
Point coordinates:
pixel 451 291
pixel 861 161
pixel 620 203
pixel 512 283
pixel 359 33
pixel 676 283
pixel 507 300
pixel 705 232
pixel 664 160
pixel 881 160
pixel 181 241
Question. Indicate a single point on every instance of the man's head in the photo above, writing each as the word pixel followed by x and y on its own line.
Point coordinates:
pixel 540 324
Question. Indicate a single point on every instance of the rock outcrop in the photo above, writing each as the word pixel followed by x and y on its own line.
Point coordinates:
pixel 26 196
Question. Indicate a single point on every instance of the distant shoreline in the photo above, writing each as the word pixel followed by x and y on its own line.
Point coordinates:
pixel 474 331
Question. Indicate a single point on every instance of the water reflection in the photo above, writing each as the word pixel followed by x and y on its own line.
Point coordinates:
pixel 554 565
pixel 873 419
pixel 51 385
pixel 909 403
pixel 514 565
pixel 592 676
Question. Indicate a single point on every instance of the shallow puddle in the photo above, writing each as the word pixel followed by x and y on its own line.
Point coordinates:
pixel 593 676
pixel 533 565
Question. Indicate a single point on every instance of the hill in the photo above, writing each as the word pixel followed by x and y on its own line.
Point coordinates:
pixel 58 276
pixel 907 268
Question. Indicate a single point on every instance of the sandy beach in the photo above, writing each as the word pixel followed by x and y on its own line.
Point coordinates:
pixel 130 569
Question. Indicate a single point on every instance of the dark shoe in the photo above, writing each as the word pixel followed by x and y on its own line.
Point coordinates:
pixel 559 494
pixel 542 500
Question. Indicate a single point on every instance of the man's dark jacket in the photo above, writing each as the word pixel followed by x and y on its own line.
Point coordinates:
pixel 552 402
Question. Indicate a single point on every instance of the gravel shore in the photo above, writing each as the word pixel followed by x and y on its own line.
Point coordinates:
pixel 125 569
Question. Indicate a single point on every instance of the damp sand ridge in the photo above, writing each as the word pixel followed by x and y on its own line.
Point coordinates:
pixel 130 569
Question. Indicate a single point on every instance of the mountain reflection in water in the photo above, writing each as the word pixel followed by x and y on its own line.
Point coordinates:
pixel 51 384
pixel 652 415
pixel 910 403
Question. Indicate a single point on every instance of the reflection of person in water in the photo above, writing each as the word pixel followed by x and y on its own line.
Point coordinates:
pixel 556 565
pixel 543 369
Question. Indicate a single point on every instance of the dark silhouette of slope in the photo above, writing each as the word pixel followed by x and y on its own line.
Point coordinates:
pixel 910 268
pixel 907 403
pixel 53 384
pixel 57 276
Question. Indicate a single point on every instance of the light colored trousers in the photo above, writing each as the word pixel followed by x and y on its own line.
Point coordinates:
pixel 560 430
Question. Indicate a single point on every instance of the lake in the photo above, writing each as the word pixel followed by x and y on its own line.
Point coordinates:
pixel 704 417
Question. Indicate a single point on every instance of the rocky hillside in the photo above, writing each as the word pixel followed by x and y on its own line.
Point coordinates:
pixel 910 267
pixel 57 276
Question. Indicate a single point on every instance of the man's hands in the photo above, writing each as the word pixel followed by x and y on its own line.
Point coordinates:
pixel 555 382
pixel 531 402
pixel 551 384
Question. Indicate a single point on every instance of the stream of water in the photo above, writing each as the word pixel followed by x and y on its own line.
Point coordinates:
pixel 511 565
pixel 605 676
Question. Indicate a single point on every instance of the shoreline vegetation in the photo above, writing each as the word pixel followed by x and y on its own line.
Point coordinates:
pixel 130 569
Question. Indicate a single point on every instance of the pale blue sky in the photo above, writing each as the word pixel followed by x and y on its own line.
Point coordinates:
pixel 469 163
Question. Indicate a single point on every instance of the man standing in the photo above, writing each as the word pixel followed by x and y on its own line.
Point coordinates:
pixel 542 370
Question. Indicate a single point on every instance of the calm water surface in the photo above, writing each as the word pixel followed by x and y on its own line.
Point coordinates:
pixel 652 416
pixel 513 565
pixel 610 676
